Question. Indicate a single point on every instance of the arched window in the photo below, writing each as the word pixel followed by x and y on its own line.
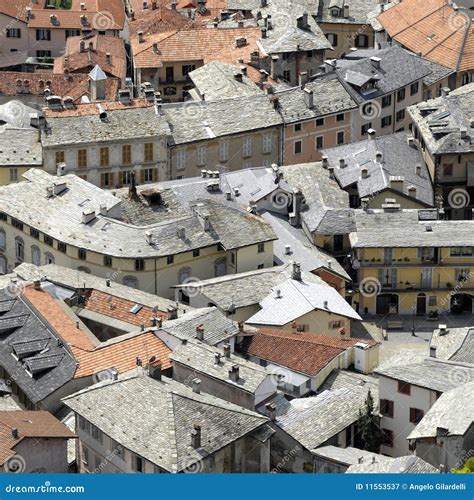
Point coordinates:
pixel 130 281
pixel 220 267
pixel 184 274
pixel 19 249
pixel 3 239
pixel 48 258
pixel 35 255
pixel 84 269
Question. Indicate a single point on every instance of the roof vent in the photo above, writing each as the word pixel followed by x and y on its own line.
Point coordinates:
pixel 88 216
pixel 429 229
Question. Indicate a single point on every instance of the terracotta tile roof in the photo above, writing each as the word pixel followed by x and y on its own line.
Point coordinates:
pixel 198 44
pixel 118 308
pixel 16 9
pixel 433 29
pixel 92 357
pixel 76 86
pixel 101 15
pixel 306 353
pixel 76 61
pixel 30 424
pixel 159 20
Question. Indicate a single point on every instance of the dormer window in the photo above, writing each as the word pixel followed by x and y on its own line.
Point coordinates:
pixel 335 12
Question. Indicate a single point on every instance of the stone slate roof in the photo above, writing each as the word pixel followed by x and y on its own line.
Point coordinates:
pixel 403 229
pixel 327 204
pixel 120 125
pixel 61 217
pixel 310 257
pixel 358 10
pixel 201 359
pixel 154 419
pixel 20 147
pixel 245 289
pixel 199 121
pixel 397 69
pixel 442 121
pixel 436 73
pixel 456 344
pixel 216 80
pixel 329 96
pixel 409 464
pixel 431 373
pixel 20 326
pixel 298 298
pixel 312 421
pixel 399 160
pixel 453 411
pixel 339 379
pixel 348 456
pixel 217 328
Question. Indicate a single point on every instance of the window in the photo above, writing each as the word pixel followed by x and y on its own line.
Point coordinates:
pixel 448 169
pixel 43 34
pixel 261 247
pixel 130 281
pixel 35 255
pixel 187 68
pixel 362 41
pixel 82 254
pixel 400 95
pixel 387 438
pixel 247 147
pixel 41 54
pixel 319 142
pixel 16 223
pixel 232 258
pixel 62 247
pixel 201 155
pixel 139 264
pixel 386 121
pixel 180 159
pixel 340 117
pixel 82 158
pixel 298 147
pixel 416 415
pixel 106 179
pixel 386 101
pixel 309 53
pixel 85 454
pixel 59 157
pixel 386 408
pixel 107 261
pixel 13 33
pixel 104 157
pixel 332 38
pixel 400 115
pixel 125 177
pixel 13 175
pixel 298 127
pixel 287 75
pixel 3 239
pixel 170 91
pixel 19 249
pixel 170 259
pixel 224 151
pixel 414 88
pixel 34 233
pixel 137 463
pixel 149 175
pixel 149 155
pixel 404 388
pixel 196 252
pixel 365 128
pixel 72 32
pixel 320 122
pixel 461 252
pixel 340 138
pixel 96 433
pixel 267 143
pixel 126 154
pixel 48 258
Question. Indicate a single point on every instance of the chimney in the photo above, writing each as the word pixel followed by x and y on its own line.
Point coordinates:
pixel 154 370
pixel 287 249
pixel 155 47
pixel 445 91
pixel 196 385
pixel 342 162
pixel 324 161
pixel 173 5
pixel 196 437
pixel 263 76
pixel 172 312
pixel 303 79
pixel 371 133
pixel 14 433
pixel 432 352
pixel 200 332
pixel 234 373
pixel 295 271
pixel 375 62
pixel 37 285
pixel 238 76
pixel 346 11
pixel 88 216
pixel 364 173
pixel 217 358
pixel 309 98
pixel 227 350
pixel 379 157
pixel 271 410
pixel 83 6
pixel 264 32
pixel 274 67
pixel 149 237
pixel 154 4
pixel 141 37
pixel 302 21
pixel 108 58
pixel 243 70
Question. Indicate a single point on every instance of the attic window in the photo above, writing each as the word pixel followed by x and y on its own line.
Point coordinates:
pixel 136 309
pixel 429 229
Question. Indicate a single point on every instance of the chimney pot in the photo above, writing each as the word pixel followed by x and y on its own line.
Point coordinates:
pixel 14 433
pixel 196 385
pixel 200 332
pixel 227 350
